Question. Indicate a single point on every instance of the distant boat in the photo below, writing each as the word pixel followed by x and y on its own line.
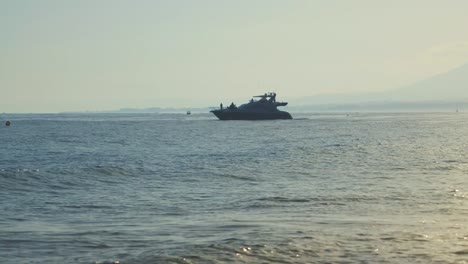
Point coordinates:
pixel 264 108
pixel 189 113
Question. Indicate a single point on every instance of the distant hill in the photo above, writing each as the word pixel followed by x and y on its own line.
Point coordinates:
pixel 449 86
pixel 442 91
pixel 163 110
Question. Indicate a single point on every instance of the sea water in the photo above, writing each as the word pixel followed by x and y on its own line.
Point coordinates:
pixel 172 188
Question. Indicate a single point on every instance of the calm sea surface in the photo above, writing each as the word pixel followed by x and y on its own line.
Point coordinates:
pixel 169 188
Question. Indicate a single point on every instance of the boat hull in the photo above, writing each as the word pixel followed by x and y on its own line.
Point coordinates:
pixel 244 115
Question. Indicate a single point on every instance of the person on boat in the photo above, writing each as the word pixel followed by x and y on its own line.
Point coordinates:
pixel 221 106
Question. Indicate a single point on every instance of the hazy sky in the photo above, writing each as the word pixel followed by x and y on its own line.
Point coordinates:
pixel 98 55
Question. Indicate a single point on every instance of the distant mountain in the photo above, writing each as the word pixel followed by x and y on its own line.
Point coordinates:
pixel 162 110
pixel 139 110
pixel 440 91
pixel 449 86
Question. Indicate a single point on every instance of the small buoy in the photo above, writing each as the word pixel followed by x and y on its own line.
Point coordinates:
pixel 7 123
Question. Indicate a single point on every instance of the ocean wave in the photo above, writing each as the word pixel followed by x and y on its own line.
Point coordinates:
pixel 284 199
pixel 65 178
pixel 139 189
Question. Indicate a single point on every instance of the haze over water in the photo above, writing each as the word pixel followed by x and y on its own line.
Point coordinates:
pixel 168 188
pixel 60 56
